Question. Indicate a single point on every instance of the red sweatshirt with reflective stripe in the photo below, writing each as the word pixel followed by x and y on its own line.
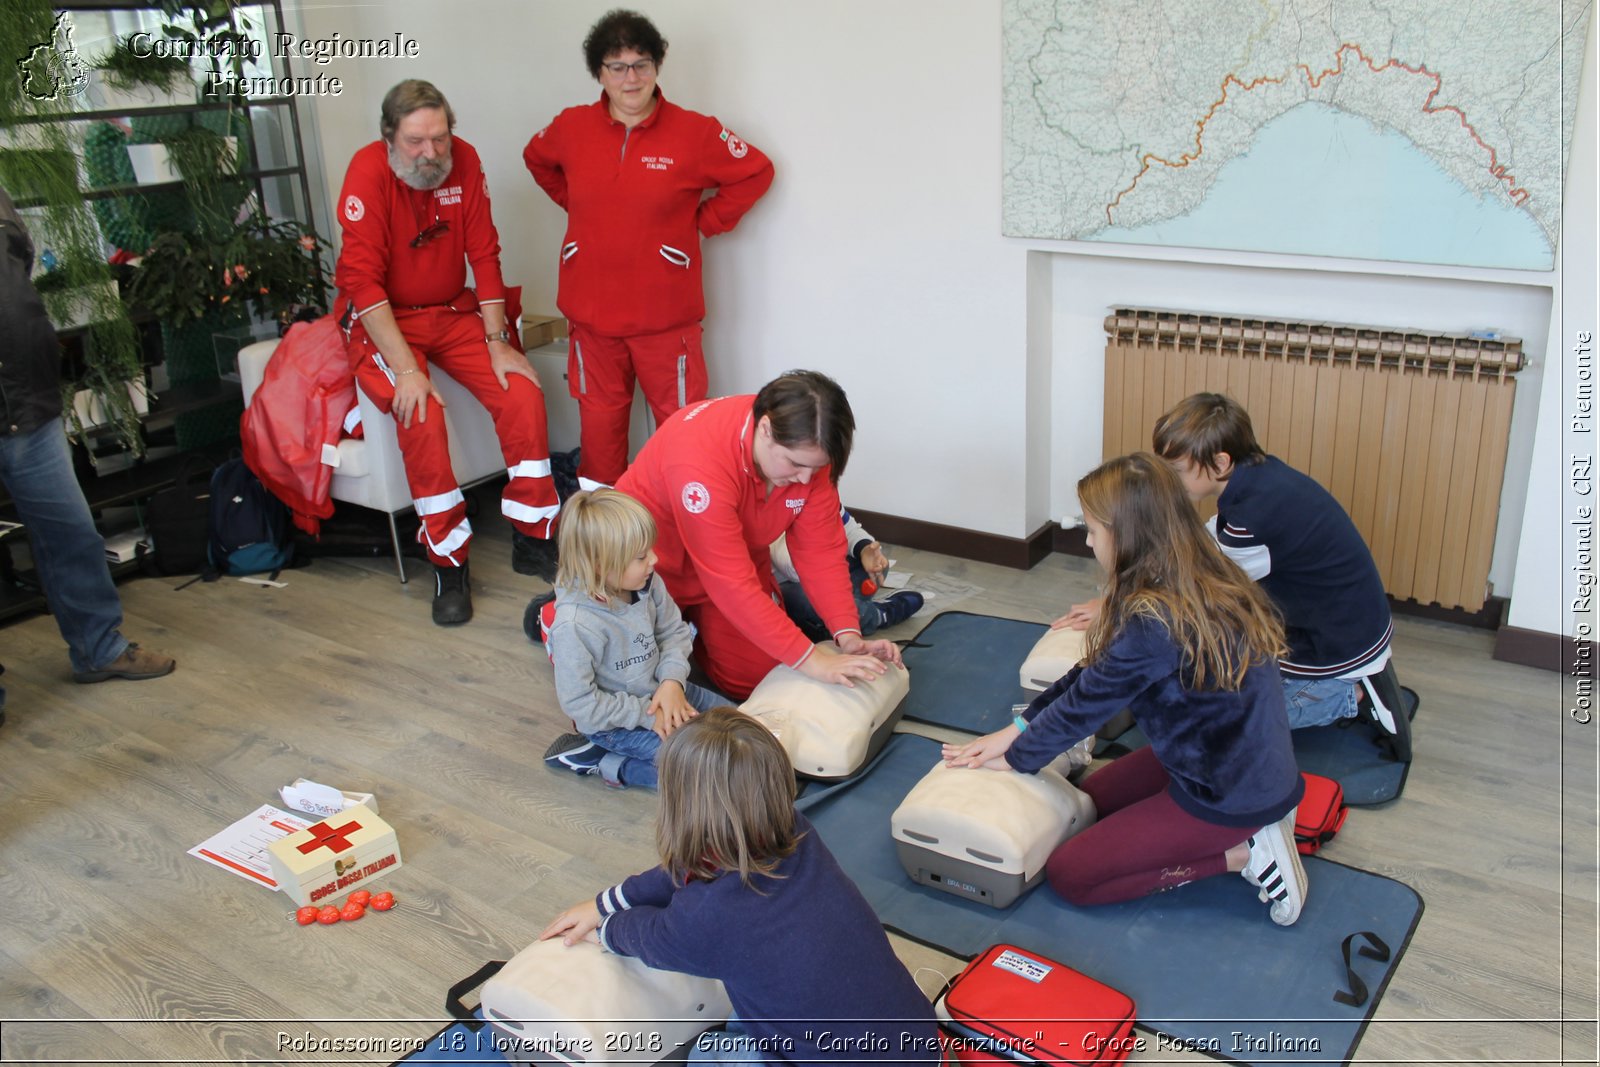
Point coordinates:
pixel 381 215
pixel 630 260
pixel 715 524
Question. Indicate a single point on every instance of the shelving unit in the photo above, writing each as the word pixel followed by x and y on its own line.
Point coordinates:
pixel 275 177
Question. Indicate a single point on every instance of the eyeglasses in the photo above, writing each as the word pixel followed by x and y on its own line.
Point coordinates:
pixel 440 226
pixel 642 67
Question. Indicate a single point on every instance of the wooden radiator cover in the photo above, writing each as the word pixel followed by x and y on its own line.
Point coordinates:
pixel 1408 430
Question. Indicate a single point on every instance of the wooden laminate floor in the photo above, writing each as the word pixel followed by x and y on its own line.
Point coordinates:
pixel 116 946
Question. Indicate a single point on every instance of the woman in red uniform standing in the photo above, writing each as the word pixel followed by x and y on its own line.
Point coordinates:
pixel 723 479
pixel 632 171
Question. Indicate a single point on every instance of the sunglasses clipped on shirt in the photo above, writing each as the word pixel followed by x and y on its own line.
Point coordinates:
pixel 439 227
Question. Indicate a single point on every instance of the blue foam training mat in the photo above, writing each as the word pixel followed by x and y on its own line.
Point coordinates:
pixel 1205 964
pixel 964 676
pixel 964 670
pixel 1352 753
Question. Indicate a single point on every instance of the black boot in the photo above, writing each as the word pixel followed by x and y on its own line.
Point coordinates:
pixel 452 595
pixel 531 555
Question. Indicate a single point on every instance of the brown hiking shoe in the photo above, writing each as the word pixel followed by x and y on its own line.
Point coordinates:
pixel 135 664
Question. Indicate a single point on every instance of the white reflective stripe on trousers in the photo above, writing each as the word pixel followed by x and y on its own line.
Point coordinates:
pixel 448 547
pixel 528 513
pixel 438 503
pixel 377 357
pixel 530 468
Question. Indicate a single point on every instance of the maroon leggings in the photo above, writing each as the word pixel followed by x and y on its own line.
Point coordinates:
pixel 1143 842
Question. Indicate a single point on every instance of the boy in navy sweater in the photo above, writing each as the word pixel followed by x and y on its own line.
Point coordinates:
pixel 748 894
pixel 1289 534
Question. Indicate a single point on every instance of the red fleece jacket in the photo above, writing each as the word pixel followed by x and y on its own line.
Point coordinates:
pixel 715 524
pixel 381 216
pixel 630 260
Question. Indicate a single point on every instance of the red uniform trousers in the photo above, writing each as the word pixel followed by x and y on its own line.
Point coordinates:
pixel 730 659
pixel 453 341
pixel 669 366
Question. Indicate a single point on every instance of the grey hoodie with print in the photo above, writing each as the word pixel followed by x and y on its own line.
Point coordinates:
pixel 611 656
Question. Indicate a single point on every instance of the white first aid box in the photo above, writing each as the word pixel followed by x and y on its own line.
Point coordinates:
pixel 338 854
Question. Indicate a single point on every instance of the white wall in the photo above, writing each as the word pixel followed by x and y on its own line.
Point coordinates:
pixel 877 255
pixel 1545 578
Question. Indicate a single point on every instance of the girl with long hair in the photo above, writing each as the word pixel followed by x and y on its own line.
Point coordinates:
pixel 1189 644
pixel 747 893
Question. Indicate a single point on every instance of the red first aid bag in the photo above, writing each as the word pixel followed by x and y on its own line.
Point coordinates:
pixel 1322 811
pixel 1014 1006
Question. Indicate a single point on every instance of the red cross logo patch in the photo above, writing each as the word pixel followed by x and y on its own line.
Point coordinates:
pixel 334 838
pixel 696 498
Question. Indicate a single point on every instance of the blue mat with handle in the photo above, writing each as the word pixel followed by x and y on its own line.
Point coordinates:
pixel 1204 963
pixel 964 676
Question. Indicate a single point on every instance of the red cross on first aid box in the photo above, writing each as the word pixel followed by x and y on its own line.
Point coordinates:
pixel 334 856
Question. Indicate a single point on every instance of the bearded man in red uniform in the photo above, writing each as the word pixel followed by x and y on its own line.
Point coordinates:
pixel 415 214
pixel 632 171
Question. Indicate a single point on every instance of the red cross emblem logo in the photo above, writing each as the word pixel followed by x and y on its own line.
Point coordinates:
pixel 334 838
pixel 696 498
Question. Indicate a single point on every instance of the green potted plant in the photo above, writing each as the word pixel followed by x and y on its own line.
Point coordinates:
pixel 264 267
pixel 40 171
pixel 72 306
pixel 130 78
pixel 33 168
pixel 195 155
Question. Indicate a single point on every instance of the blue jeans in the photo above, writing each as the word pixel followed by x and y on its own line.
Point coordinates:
pixel 1318 701
pixel 798 607
pixel 68 551
pixel 631 758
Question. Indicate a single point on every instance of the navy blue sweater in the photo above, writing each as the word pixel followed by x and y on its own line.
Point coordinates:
pixel 1228 751
pixel 806 965
pixel 1319 571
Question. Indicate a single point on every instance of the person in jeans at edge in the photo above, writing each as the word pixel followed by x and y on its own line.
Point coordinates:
pixel 36 467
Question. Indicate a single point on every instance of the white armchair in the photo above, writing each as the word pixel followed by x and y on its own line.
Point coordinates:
pixel 370 472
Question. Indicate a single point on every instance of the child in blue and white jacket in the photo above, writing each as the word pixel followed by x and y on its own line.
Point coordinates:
pixel 868 568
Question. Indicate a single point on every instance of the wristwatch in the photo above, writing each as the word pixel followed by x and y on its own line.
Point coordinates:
pixel 503 335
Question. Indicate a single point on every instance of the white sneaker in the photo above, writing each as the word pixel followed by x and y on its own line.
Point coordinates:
pixel 1274 867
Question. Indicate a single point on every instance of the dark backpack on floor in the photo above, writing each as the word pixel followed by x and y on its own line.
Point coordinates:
pixel 178 521
pixel 249 529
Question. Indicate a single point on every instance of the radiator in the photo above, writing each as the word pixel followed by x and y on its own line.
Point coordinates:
pixel 1407 430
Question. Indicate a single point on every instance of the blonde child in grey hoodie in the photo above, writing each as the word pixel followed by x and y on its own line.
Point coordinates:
pixel 618 642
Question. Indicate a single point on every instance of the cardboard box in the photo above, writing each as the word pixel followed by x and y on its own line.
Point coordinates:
pixel 539 329
pixel 334 856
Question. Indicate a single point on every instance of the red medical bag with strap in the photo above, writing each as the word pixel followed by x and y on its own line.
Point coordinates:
pixel 1014 1006
pixel 1321 813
